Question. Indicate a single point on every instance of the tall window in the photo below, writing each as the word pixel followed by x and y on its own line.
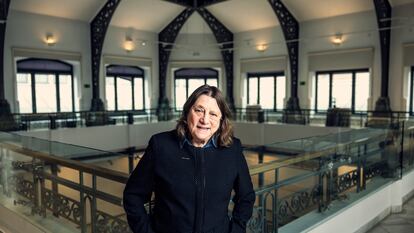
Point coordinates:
pixel 411 107
pixel 266 89
pixel 45 85
pixel 125 88
pixel 342 89
pixel 186 80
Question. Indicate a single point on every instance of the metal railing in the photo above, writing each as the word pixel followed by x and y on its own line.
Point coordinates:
pixel 88 119
pixel 43 179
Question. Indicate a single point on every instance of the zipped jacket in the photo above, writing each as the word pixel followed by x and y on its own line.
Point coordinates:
pixel 192 188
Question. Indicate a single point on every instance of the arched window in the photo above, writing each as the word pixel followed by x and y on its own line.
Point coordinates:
pixel 125 88
pixel 267 89
pixel 186 80
pixel 45 85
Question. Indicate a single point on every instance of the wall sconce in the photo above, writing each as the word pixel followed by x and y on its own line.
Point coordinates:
pixel 129 44
pixel 50 40
pixel 144 43
pixel 337 39
pixel 261 47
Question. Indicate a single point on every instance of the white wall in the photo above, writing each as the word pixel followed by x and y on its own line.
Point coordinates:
pixel 28 31
pixel 359 30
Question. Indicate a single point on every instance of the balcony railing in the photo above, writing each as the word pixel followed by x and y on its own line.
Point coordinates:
pixel 40 177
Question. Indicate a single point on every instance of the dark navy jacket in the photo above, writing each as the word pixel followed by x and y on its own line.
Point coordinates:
pixel 192 188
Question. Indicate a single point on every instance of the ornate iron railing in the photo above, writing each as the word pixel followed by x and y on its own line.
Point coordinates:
pixel 33 179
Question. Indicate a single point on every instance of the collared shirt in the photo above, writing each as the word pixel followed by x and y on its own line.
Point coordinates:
pixel 211 143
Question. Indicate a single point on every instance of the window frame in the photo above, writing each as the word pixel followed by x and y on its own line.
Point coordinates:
pixel 56 72
pixel 132 78
pixel 258 75
pixel 195 77
pixel 411 107
pixel 330 73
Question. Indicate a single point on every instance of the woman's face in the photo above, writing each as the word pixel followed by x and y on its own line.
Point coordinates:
pixel 203 120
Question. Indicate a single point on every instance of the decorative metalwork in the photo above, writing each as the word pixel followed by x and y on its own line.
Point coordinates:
pixel 106 223
pixel 99 26
pixel 195 3
pixel 66 207
pixel 224 37
pixel 22 187
pixel 297 204
pixel 383 11
pixel 375 169
pixel 347 181
pixel 290 27
pixel 167 37
pixel 256 222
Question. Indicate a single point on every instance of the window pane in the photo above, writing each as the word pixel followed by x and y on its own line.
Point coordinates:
pixel 252 95
pixel 194 84
pixel 65 91
pixel 110 93
pixel 212 82
pixel 180 93
pixel 361 91
pixel 280 92
pixel 124 92
pixel 267 92
pixel 45 93
pixel 138 93
pixel 323 91
pixel 24 92
pixel 342 90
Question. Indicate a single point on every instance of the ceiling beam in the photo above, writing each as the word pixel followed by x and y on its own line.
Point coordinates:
pixel 383 11
pixel 225 38
pixel 195 3
pixel 166 40
pixel 290 27
pixel 98 27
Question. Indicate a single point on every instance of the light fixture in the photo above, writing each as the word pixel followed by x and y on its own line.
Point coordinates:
pixel 143 42
pixel 261 47
pixel 129 44
pixel 50 40
pixel 337 39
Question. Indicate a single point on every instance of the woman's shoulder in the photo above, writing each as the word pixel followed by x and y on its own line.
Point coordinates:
pixel 164 137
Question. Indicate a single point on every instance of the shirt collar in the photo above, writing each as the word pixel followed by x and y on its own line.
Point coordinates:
pixel 211 143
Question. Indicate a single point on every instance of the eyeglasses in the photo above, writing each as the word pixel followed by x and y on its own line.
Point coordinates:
pixel 213 116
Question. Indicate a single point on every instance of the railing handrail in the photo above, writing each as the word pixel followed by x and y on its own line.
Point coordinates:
pixel 83 167
pixel 270 166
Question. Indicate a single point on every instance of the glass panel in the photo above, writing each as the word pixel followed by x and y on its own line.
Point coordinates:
pixel 124 92
pixel 267 92
pixel 252 91
pixel 342 90
pixel 65 90
pixel 110 93
pixel 212 82
pixel 361 91
pixel 280 92
pixel 180 93
pixel 45 93
pixel 138 93
pixel 194 84
pixel 24 92
pixel 323 92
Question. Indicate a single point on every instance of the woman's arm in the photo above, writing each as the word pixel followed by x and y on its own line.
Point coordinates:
pixel 244 195
pixel 138 191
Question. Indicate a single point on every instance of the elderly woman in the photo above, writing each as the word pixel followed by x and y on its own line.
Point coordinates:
pixel 192 171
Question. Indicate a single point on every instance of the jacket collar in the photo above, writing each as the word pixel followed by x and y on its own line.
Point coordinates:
pixel 211 143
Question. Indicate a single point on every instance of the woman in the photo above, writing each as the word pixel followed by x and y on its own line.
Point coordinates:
pixel 192 171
